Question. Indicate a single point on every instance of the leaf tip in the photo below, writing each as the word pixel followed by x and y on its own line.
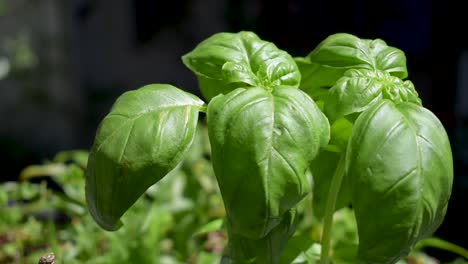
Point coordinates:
pixel 107 223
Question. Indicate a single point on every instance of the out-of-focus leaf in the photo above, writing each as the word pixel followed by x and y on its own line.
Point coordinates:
pixel 214 225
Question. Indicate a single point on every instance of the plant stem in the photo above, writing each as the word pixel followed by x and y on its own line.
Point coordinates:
pixel 330 209
pixel 442 244
pixel 53 239
pixel 203 108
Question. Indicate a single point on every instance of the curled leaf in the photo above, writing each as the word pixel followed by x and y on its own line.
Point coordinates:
pixel 145 135
pixel 345 51
pixel 226 61
pixel 358 90
pixel 340 52
pixel 388 59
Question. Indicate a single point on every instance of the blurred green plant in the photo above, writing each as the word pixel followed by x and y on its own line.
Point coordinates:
pixel 177 221
pixel 35 217
pixel 3 7
pixel 16 53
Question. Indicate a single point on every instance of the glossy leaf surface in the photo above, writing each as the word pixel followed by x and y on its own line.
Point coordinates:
pixel 226 61
pixel 145 135
pixel 262 144
pixel 345 51
pixel 341 52
pixel 358 90
pixel 267 249
pixel 400 165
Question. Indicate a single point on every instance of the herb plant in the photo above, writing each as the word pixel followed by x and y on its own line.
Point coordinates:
pixel 342 123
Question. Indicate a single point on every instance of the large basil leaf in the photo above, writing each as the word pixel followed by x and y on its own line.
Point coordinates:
pixel 262 144
pixel 144 136
pixel 226 61
pixel 358 90
pixel 341 52
pixel 267 249
pixel 399 162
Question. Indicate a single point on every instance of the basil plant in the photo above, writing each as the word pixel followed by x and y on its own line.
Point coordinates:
pixel 343 118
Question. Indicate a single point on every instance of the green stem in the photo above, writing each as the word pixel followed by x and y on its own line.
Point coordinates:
pixel 203 108
pixel 330 209
pixel 53 242
pixel 442 244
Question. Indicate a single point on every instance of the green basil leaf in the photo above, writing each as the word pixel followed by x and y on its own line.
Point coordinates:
pixel 316 79
pixel 233 60
pixel 267 249
pixel 145 135
pixel 340 132
pixel 388 59
pixel 297 249
pixel 400 165
pixel 214 225
pixel 211 87
pixel 341 52
pixel 262 144
pixel 358 90
pixel 345 51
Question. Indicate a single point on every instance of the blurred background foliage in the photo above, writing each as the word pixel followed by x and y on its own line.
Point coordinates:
pixel 179 220
pixel 63 63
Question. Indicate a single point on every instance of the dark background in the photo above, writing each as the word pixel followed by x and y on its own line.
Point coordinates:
pixel 85 53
